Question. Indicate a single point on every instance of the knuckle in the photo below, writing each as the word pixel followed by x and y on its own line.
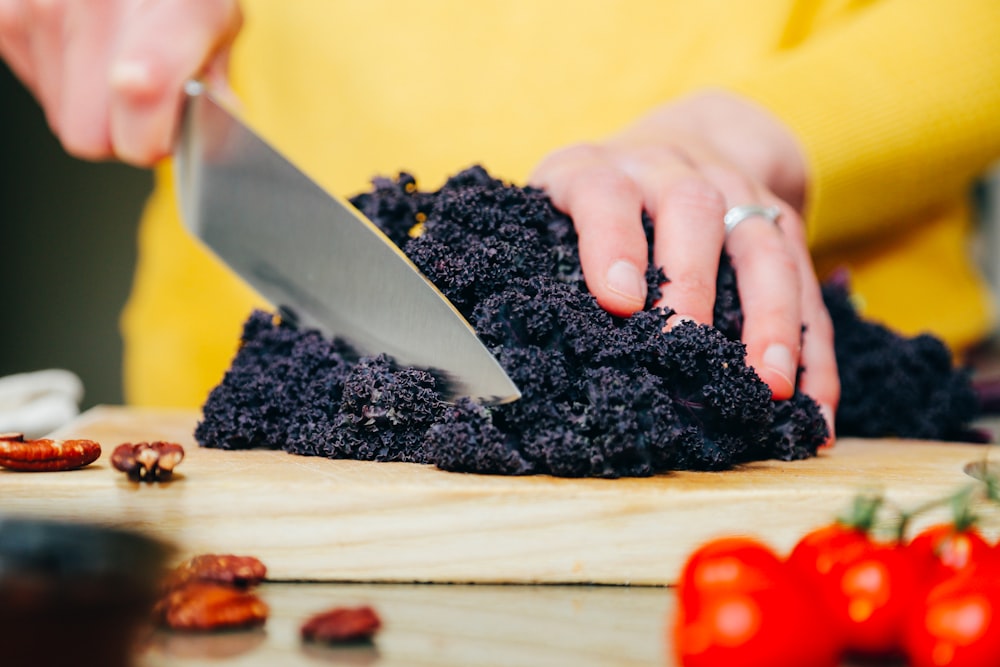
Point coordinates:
pixel 783 261
pixel 45 11
pixel 792 227
pixel 696 194
pixel 567 160
pixel 610 181
pixel 579 154
pixel 658 154
pixel 765 250
pixel 10 18
pixel 690 290
pixel 779 323
pixel 733 181
pixel 595 177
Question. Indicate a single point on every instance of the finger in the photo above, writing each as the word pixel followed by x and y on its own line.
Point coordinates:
pixel 14 47
pixel 768 281
pixel 84 106
pixel 164 45
pixel 820 378
pixel 606 208
pixel 45 25
pixel 686 210
pixel 768 278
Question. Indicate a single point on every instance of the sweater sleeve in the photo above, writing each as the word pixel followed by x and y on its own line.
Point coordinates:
pixel 897 109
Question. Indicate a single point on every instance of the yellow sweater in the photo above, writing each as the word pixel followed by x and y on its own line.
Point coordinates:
pixel 895 101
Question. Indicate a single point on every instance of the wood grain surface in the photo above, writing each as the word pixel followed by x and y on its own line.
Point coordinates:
pixel 450 626
pixel 446 626
pixel 321 520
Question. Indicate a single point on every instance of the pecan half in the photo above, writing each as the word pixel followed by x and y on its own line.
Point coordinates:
pixel 147 461
pixel 239 571
pixel 341 625
pixel 209 606
pixel 45 455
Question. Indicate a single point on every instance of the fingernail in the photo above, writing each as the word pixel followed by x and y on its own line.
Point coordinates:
pixel 626 280
pixel 827 413
pixel 778 359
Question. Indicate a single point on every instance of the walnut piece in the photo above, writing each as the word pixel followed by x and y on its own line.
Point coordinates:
pixel 205 606
pixel 147 461
pixel 239 571
pixel 210 592
pixel 45 455
pixel 342 625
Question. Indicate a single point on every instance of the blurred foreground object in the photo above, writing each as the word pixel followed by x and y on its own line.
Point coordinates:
pixel 74 594
pixel 39 402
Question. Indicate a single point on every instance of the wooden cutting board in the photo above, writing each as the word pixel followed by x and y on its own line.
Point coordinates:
pixel 317 519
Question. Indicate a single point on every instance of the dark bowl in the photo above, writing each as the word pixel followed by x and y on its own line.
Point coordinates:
pixel 73 593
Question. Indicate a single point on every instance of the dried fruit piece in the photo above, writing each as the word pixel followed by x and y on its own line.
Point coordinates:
pixel 342 624
pixel 239 571
pixel 45 455
pixel 147 461
pixel 209 606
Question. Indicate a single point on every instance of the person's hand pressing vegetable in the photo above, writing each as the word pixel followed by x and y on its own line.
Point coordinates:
pixel 713 171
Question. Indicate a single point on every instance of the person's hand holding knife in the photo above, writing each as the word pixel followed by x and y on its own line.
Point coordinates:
pixel 110 77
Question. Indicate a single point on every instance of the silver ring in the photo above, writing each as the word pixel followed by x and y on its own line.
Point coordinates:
pixel 738 214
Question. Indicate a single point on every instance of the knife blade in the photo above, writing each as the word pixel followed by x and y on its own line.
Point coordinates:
pixel 317 258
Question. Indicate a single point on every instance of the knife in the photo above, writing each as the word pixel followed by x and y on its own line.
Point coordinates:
pixel 317 258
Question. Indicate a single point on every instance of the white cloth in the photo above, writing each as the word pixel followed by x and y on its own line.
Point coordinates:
pixel 39 402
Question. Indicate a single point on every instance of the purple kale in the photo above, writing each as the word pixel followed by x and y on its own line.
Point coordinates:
pixel 478 238
pixel 727 315
pixel 603 396
pixel 397 204
pixel 799 429
pixel 260 397
pixel 896 386
pixel 384 412
pixel 298 391
pixel 465 439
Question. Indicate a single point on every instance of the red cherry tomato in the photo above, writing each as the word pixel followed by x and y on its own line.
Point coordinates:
pixel 867 587
pixel 739 606
pixel 820 550
pixel 941 551
pixel 775 627
pixel 957 624
pixel 729 564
